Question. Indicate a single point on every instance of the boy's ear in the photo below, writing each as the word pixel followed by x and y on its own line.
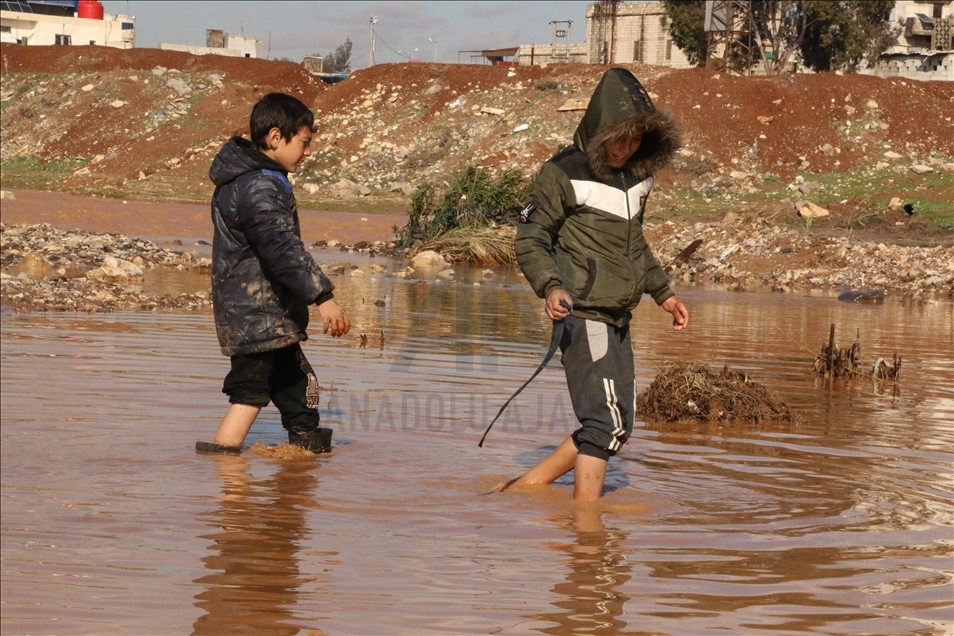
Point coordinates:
pixel 273 138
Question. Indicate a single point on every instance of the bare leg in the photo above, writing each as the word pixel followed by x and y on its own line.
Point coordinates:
pixel 589 473
pixel 236 424
pixel 556 464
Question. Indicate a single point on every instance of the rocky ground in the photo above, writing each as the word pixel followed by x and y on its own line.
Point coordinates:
pixel 47 269
pixel 827 180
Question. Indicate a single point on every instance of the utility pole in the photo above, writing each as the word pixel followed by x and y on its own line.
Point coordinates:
pixel 374 21
pixel 435 48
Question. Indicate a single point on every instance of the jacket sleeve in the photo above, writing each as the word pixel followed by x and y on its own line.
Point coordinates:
pixel 657 280
pixel 269 223
pixel 536 238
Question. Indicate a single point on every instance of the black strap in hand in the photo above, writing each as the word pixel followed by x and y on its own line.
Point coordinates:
pixel 555 338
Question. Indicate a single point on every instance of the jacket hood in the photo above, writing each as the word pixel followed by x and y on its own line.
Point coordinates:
pixel 237 157
pixel 620 106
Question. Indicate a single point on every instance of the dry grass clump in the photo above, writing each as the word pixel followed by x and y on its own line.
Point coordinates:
pixel 841 362
pixel 838 362
pixel 475 245
pixel 693 392
pixel 886 370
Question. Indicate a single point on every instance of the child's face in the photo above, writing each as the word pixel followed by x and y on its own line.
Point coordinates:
pixel 620 150
pixel 289 154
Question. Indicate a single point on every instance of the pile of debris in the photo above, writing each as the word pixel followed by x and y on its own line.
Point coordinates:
pixel 694 392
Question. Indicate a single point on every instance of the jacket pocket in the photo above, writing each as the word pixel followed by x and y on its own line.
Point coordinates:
pixel 615 284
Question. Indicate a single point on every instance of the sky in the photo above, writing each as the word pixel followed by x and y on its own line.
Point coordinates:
pixel 404 30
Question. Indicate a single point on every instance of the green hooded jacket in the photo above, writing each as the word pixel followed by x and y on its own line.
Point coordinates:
pixel 582 230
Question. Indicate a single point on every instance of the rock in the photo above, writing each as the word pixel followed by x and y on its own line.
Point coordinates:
pixel 921 169
pixel 428 258
pixel 88 88
pixel 892 155
pixel 895 204
pixel 808 186
pixel 357 273
pixel 7 195
pixel 311 188
pixel 862 296
pixel 446 274
pixel 118 103
pixel 178 85
pixel 34 266
pixel 377 269
pixel 401 186
pixel 113 267
pixel 573 104
pixel 159 71
pixel 827 149
pixel 872 104
pixel 739 175
pixel 433 89
pixel 487 110
pixel 808 210
pixel 521 128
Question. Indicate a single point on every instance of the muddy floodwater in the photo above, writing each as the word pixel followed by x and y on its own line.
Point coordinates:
pixel 112 524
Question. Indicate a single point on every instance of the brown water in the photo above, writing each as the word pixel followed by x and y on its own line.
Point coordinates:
pixel 111 524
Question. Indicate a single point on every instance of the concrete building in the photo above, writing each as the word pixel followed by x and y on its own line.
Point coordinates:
pixel 634 32
pixel 629 32
pixel 64 22
pixel 221 43
pixel 925 47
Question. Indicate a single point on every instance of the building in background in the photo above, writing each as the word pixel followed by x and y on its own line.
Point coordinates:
pixel 219 42
pixel 64 22
pixel 623 32
pixel 925 47
pixel 616 33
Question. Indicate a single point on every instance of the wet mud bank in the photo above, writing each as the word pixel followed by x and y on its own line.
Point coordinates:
pixel 48 269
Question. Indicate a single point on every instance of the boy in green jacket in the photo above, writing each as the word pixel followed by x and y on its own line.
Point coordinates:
pixel 581 246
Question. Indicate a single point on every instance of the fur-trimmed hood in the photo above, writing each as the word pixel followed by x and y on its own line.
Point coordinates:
pixel 619 106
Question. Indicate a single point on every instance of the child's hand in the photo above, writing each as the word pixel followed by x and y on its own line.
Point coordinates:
pixel 557 304
pixel 333 318
pixel 679 311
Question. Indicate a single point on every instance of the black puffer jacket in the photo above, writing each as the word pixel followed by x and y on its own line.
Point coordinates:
pixel 262 278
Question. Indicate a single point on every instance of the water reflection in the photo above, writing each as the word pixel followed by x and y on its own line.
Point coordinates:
pixel 255 579
pixel 591 596
pixel 839 523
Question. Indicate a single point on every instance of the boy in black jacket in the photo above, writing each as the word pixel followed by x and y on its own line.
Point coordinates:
pixel 263 279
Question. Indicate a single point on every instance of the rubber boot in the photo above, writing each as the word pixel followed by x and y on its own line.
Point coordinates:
pixel 317 441
pixel 209 447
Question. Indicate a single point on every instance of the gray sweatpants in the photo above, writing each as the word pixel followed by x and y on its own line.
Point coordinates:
pixel 598 360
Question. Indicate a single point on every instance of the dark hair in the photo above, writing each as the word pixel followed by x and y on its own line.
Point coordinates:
pixel 278 110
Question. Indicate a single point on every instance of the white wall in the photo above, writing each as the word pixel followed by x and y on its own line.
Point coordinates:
pixel 248 47
pixel 41 30
pixel 200 50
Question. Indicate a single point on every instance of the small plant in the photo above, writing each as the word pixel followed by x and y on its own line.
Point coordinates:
pixel 471 199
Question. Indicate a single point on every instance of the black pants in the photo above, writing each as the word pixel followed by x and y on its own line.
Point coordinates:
pixel 598 360
pixel 282 376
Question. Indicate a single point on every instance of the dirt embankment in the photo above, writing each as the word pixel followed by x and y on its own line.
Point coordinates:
pixel 145 123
